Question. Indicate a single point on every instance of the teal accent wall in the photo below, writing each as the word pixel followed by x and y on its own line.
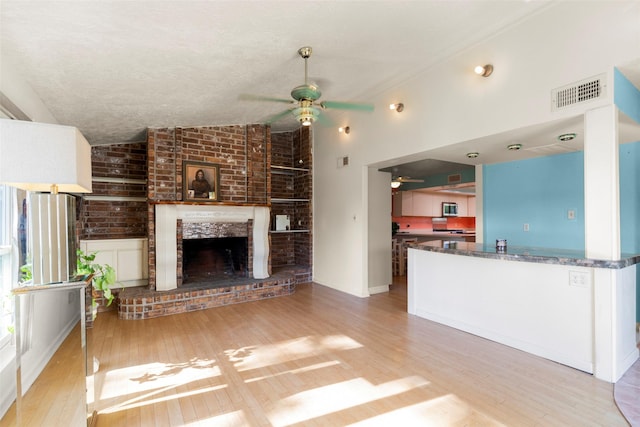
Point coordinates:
pixel 630 197
pixel 538 192
pixel 627 98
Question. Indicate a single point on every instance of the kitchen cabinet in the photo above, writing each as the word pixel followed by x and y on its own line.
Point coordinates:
pixel 424 203
pixel 471 206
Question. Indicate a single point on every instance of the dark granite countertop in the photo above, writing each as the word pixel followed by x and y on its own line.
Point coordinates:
pixel 524 254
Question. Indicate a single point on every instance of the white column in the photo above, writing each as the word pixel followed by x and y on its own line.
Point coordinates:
pixel 261 243
pixel 614 290
pixel 601 183
pixel 166 247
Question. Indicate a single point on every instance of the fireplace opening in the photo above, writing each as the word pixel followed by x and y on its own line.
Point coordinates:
pixel 214 260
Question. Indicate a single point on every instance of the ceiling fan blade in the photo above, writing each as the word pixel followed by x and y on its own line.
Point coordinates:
pixel 407 179
pixel 247 97
pixel 346 105
pixel 324 120
pixel 277 117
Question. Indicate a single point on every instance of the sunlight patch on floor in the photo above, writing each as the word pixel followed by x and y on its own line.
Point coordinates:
pixel 254 357
pixel 147 399
pixel 297 371
pixel 321 401
pixel 151 376
pixel 446 410
pixel 230 419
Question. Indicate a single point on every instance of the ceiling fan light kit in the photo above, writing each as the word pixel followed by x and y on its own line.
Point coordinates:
pixel 305 110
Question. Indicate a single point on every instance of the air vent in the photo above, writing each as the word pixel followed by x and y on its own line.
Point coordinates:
pixel 343 161
pixel 575 93
pixel 454 179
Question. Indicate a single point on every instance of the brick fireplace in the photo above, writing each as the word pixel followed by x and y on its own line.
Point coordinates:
pixel 246 198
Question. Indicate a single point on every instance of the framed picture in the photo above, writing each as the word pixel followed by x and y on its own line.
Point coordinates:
pixel 200 181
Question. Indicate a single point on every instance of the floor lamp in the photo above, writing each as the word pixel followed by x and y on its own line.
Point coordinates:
pixel 47 160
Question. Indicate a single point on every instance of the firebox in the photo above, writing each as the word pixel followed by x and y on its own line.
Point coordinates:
pixel 214 260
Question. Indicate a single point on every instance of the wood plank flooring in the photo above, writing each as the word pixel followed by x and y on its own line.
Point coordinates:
pixel 324 358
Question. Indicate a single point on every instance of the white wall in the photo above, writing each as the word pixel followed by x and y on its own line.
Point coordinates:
pixel 379 218
pixel 447 104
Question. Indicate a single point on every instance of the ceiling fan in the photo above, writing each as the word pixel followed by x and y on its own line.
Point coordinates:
pixel 399 180
pixel 306 107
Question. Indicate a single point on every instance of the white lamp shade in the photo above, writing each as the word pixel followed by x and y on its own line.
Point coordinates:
pixel 35 156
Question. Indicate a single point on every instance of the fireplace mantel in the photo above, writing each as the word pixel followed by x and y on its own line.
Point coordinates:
pixel 167 216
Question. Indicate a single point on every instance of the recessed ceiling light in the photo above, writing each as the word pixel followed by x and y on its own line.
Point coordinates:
pixel 566 137
pixel 514 147
pixel 472 155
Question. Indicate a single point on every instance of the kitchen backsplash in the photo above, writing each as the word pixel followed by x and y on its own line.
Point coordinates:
pixel 424 222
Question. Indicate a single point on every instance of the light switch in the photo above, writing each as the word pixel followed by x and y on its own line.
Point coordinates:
pixel 571 214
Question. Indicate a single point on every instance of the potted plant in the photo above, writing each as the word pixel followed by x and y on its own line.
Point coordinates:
pixel 103 277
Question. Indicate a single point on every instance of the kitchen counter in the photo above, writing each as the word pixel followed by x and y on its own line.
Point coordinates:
pixel 426 235
pixel 554 303
pixel 525 254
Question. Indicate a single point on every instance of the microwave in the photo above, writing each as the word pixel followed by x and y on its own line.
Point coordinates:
pixel 449 209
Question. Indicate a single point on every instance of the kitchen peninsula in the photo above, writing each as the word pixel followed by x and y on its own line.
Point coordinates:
pixel 556 304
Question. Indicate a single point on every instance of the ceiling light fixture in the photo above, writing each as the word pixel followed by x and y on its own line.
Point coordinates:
pixel 345 129
pixel 566 137
pixel 306 115
pixel 398 107
pixel 514 147
pixel 395 184
pixel 484 71
pixel 473 155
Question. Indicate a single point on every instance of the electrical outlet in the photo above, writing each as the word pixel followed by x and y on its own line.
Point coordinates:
pixel 580 279
pixel 525 227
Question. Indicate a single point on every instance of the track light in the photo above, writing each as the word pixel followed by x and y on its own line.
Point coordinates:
pixel 345 129
pixel 484 71
pixel 398 107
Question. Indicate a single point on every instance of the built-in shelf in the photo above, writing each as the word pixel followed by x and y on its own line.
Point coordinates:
pixel 287 169
pixel 115 198
pixel 113 180
pixel 287 231
pixel 288 200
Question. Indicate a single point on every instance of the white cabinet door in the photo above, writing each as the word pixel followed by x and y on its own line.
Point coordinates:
pixel 421 204
pixel 471 206
pixel 407 203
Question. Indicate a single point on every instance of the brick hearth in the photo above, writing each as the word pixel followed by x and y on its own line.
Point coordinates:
pixel 143 303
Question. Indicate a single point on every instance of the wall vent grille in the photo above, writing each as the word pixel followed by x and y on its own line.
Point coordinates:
pixel 454 179
pixel 575 93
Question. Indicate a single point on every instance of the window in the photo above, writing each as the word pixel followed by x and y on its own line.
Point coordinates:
pixel 10 249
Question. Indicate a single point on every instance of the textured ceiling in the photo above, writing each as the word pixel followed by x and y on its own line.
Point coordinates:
pixel 112 69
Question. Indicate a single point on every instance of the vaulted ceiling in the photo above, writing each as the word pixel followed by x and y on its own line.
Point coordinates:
pixel 114 68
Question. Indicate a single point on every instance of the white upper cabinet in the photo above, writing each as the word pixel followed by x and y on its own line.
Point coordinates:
pixel 422 203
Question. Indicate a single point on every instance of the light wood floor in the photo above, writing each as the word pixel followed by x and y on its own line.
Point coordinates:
pixel 324 358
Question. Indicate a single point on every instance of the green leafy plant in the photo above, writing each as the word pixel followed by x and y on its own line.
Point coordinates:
pixel 26 273
pixel 103 274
